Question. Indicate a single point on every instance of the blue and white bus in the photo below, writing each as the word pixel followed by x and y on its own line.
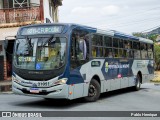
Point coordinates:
pixel 70 61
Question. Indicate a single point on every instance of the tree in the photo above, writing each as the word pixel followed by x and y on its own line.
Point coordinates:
pixel 157 56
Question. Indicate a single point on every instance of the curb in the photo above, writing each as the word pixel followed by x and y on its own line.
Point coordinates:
pixel 155 81
pixel 5 88
pixel 7 92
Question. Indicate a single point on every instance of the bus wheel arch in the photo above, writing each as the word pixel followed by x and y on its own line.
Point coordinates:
pixel 96 77
pixel 140 75
pixel 94 89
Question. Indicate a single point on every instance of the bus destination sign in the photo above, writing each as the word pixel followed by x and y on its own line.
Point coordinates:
pixel 41 30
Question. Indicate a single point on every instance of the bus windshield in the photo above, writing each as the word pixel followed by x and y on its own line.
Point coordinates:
pixel 45 53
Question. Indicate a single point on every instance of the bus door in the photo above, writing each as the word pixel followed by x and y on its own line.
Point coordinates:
pixel 79 49
pixel 79 56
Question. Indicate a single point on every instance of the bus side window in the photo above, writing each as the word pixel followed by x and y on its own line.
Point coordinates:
pixel 115 53
pixel 115 42
pixel 78 47
pixel 108 52
pixel 94 52
pixel 144 51
pixel 150 51
pixel 121 45
pixel 136 52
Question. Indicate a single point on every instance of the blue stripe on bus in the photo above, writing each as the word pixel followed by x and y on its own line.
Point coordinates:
pixel 75 77
pixel 125 36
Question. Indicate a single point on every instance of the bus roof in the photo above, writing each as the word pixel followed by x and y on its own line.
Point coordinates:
pixel 145 40
pixel 95 30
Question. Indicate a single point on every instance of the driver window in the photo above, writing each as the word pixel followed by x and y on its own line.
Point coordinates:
pixel 79 47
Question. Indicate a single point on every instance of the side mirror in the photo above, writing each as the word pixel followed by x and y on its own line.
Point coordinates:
pixel 6 41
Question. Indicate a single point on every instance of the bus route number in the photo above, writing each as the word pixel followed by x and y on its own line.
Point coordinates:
pixel 43 84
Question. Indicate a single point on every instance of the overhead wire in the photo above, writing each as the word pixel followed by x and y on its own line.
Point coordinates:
pixel 130 23
pixel 125 16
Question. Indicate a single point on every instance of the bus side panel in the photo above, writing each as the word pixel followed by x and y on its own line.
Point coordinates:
pixel 82 76
pixel 107 85
pixel 78 90
pixel 145 67
pixel 132 81
pixel 91 69
pixel 117 71
pixel 115 84
pixel 76 84
pixel 124 82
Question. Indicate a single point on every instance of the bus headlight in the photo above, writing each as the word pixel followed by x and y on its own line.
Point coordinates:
pixel 15 80
pixel 61 81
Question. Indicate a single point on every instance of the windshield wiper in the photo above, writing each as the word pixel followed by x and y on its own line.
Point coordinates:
pixel 48 40
pixel 29 44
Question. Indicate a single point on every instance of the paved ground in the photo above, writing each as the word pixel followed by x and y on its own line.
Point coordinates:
pixel 147 99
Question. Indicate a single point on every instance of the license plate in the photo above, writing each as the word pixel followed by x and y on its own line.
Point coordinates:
pixel 34 90
pixel 43 84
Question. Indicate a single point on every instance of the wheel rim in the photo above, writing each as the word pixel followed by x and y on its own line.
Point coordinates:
pixel 138 83
pixel 92 91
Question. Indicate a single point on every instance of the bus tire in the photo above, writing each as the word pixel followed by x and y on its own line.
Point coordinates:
pixel 138 83
pixel 93 91
pixel 48 99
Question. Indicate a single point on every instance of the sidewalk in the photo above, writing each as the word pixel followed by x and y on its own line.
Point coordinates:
pixel 6 86
pixel 156 77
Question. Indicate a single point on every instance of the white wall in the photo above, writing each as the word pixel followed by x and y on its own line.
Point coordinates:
pixel 1 4
pixel 35 1
pixel 46 10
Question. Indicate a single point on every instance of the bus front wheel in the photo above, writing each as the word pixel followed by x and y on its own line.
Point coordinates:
pixel 93 91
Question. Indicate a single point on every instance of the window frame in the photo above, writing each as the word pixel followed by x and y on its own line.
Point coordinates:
pixel 131 47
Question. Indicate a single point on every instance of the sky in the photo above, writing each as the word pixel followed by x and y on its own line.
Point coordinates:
pixel 126 16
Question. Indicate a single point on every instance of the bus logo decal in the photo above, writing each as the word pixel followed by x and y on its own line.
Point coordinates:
pixel 106 67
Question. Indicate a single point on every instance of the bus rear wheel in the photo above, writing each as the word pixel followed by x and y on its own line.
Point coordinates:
pixel 138 83
pixel 93 91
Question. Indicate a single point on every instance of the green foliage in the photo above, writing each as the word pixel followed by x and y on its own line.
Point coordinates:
pixel 153 37
pixel 139 34
pixel 157 54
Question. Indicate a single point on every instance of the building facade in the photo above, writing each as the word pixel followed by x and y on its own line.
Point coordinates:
pixel 17 13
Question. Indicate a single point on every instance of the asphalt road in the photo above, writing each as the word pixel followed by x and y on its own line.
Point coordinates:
pixel 146 99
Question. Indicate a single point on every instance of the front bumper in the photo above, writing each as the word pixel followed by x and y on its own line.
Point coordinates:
pixel 57 92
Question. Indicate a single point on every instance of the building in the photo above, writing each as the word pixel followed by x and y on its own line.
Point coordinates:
pixel 17 13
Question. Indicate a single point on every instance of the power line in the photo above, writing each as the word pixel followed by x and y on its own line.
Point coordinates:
pixel 133 22
pixel 125 16
pixel 151 28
